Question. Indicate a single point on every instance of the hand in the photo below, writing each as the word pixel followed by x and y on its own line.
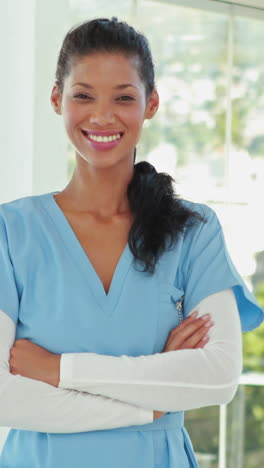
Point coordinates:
pixel 157 414
pixel 32 361
pixel 192 333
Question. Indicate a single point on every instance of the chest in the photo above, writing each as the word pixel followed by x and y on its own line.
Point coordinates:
pixel 63 304
pixel 102 241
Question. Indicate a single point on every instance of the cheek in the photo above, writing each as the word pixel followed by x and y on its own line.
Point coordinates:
pixel 134 117
pixel 72 116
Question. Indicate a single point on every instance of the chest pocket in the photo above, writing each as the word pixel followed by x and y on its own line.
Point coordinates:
pixel 170 313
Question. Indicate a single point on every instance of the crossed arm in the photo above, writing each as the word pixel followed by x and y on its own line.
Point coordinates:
pixel 99 392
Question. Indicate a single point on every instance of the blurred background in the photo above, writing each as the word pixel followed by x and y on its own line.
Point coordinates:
pixel 208 134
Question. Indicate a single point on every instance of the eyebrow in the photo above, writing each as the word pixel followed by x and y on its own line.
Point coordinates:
pixel 121 86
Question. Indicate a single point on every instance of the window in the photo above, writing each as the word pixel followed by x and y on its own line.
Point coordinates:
pixel 208 134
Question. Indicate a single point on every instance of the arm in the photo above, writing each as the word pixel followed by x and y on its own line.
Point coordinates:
pixel 171 381
pixel 36 406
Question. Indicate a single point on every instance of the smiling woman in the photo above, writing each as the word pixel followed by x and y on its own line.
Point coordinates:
pixel 130 306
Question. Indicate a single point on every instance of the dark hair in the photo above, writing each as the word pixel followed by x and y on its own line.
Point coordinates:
pixel 159 215
pixel 104 35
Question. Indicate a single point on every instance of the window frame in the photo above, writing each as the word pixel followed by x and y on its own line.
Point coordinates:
pixel 217 6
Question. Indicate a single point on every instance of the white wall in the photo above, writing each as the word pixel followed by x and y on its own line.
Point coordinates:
pixel 32 141
pixel 33 150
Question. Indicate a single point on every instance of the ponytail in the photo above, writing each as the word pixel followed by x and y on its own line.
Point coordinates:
pixel 159 214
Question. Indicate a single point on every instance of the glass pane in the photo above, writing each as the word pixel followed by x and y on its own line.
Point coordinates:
pixel 83 10
pixel 248 188
pixel 245 426
pixel 187 136
pixel 202 425
pixel 187 139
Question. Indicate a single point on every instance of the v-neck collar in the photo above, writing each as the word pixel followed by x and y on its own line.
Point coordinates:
pixel 107 301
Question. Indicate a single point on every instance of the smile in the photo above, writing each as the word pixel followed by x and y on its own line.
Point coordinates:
pixel 104 141
pixel 102 138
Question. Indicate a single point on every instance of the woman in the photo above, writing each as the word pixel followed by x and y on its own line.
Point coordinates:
pixel 119 302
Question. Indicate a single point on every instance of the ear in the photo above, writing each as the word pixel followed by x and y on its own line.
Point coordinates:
pixel 152 105
pixel 56 99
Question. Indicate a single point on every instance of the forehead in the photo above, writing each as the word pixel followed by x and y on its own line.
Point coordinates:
pixel 105 67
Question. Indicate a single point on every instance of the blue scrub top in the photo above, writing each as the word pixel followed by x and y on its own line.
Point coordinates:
pixel 50 289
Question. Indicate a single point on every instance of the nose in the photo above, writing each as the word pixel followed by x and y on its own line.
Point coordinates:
pixel 101 115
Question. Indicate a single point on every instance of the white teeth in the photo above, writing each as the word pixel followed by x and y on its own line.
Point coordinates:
pixel 104 139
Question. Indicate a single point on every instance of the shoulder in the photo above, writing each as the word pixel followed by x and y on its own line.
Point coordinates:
pixel 19 211
pixel 201 208
pixel 206 221
pixel 203 235
pixel 23 204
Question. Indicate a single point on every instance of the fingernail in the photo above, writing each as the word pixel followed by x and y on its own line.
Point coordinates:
pixel 205 317
pixel 208 324
pixel 194 314
pixel 205 338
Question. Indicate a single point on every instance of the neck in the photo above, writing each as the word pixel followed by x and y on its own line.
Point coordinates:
pixel 100 192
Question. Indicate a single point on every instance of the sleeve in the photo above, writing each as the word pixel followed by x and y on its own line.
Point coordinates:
pixel 208 269
pixel 31 405
pixel 172 381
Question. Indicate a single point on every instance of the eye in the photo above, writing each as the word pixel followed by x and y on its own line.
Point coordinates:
pixel 82 96
pixel 125 98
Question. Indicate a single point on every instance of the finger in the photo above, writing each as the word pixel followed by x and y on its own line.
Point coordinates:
pixel 178 337
pixel 202 342
pixel 193 341
pixel 185 322
pixel 173 344
pixel 182 341
pixel 190 324
pixel 192 327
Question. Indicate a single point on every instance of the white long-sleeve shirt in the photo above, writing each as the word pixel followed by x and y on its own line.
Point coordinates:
pixel 125 390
